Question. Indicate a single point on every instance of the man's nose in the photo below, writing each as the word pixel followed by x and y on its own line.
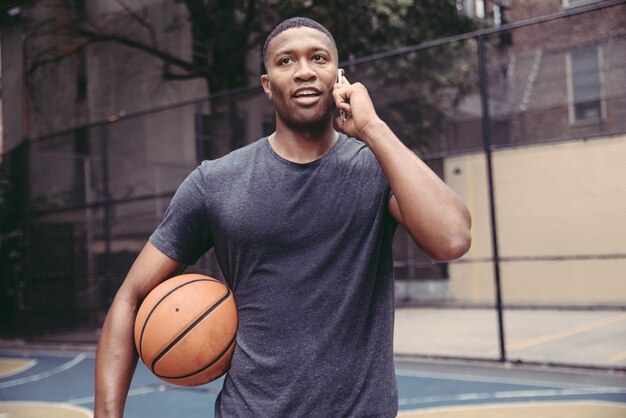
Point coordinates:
pixel 304 71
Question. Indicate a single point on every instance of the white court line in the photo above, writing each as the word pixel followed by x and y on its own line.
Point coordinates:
pixel 27 365
pixel 459 408
pixel 34 352
pixel 132 392
pixel 514 394
pixel 87 412
pixel 493 379
pixel 40 376
pixel 618 357
pixel 579 329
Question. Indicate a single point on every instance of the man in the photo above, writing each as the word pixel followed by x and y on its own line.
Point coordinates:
pixel 301 223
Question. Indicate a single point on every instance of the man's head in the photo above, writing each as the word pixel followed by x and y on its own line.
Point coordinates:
pixel 301 61
pixel 295 22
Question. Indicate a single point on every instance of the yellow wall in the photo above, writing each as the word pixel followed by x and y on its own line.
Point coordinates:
pixel 566 199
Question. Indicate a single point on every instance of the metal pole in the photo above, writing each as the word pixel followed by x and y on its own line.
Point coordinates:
pixel 24 283
pixel 486 125
pixel 104 150
pixel 25 95
pixel 199 133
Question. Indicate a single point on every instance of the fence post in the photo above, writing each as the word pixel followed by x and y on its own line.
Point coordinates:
pixel 486 125
pixel 25 282
pixel 104 150
pixel 199 132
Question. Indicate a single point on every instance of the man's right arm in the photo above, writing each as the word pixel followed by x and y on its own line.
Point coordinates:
pixel 116 357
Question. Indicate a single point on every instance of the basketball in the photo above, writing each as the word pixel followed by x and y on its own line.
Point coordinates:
pixel 185 329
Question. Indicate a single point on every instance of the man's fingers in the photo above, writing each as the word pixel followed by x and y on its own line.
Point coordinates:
pixel 341 99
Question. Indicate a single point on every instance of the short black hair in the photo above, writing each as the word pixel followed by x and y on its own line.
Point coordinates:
pixel 292 23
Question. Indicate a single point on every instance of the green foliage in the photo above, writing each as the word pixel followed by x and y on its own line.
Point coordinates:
pixel 226 32
pixel 11 248
pixel 366 27
pixel 11 234
pixel 232 29
pixel 426 86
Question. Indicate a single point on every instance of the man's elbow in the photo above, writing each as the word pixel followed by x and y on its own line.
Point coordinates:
pixel 453 247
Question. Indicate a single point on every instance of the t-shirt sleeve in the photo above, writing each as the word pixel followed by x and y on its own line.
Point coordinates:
pixel 184 233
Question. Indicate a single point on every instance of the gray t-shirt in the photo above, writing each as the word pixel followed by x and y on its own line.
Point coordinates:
pixel 306 248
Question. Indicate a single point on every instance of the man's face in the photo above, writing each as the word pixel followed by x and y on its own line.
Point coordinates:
pixel 301 72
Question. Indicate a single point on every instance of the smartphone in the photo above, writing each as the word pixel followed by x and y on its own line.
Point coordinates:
pixel 339 75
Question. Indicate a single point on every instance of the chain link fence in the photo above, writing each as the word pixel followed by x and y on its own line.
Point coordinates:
pixel 525 122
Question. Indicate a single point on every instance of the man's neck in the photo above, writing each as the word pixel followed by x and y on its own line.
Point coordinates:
pixel 303 145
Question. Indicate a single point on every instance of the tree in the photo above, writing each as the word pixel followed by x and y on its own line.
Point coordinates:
pixel 12 241
pixel 225 32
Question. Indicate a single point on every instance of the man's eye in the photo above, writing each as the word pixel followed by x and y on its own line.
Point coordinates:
pixel 285 61
pixel 319 58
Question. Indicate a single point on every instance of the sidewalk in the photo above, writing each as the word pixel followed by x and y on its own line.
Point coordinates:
pixel 585 338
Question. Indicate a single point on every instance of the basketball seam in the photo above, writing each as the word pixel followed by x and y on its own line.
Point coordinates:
pixel 230 344
pixel 187 331
pixel 145 322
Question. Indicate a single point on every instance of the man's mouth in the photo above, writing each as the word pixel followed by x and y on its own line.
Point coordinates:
pixel 306 96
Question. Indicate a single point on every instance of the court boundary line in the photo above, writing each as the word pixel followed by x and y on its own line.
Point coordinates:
pixel 519 395
pixel 47 351
pixel 43 375
pixel 617 357
pixel 65 405
pixel 29 364
pixel 455 408
pixel 565 333
pixel 496 379
pixel 144 390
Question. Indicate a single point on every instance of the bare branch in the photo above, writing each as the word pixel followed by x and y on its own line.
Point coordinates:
pixel 37 30
pixel 94 37
pixel 168 75
pixel 143 22
pixel 52 55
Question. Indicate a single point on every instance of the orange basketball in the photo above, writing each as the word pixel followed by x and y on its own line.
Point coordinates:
pixel 185 329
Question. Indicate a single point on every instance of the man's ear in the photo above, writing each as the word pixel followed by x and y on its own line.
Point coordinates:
pixel 265 82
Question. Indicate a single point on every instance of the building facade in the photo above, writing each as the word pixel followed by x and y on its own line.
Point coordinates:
pixel 556 101
pixel 107 152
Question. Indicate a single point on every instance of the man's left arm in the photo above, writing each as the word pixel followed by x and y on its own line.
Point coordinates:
pixel 432 213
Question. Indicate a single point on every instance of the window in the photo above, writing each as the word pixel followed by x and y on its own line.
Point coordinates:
pixel 497 15
pixel 81 77
pixel 81 161
pixel 480 9
pixel 199 47
pixel 574 3
pixel 472 8
pixel 584 85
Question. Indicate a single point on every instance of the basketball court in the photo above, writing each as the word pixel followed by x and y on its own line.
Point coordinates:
pixel 58 382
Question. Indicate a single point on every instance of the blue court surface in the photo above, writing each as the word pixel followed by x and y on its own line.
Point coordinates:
pixel 43 376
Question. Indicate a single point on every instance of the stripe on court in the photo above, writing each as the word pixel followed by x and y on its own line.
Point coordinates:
pixel 40 376
pixel 13 366
pixel 575 409
pixel 512 394
pixel 499 380
pixel 618 357
pixel 42 409
pixel 561 334
pixel 133 392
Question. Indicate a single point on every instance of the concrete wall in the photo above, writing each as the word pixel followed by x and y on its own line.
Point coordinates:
pixel 552 201
pixel 120 80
